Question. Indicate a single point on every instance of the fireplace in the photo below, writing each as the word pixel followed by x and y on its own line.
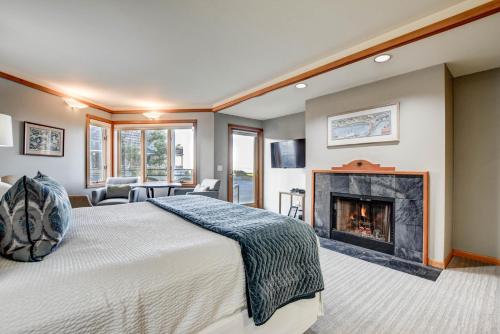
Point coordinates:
pixel 377 208
pixel 366 221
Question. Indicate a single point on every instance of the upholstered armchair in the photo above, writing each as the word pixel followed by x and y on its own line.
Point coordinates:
pixel 110 195
pixel 208 187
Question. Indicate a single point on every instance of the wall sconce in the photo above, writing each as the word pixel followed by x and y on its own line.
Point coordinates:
pixel 153 115
pixel 74 104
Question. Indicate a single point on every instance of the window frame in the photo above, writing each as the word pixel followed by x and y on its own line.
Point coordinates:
pixel 108 148
pixel 143 149
pixel 259 163
pixel 173 152
pixel 118 150
pixel 157 125
pixel 144 154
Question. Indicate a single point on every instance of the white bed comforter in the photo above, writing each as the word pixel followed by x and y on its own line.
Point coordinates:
pixel 125 269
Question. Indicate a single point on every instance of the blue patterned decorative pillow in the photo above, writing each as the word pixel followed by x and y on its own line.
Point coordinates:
pixel 34 216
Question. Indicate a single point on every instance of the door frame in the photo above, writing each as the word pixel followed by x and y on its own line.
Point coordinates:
pixel 259 158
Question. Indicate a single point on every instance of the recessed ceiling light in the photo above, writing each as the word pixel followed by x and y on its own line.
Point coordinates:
pixel 301 85
pixel 382 58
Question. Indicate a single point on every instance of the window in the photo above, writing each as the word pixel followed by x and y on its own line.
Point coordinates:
pixel 183 143
pixel 98 152
pixel 130 152
pixel 152 152
pixel 156 147
pixel 157 153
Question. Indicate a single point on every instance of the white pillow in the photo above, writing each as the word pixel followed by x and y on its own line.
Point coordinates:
pixel 209 183
pixel 200 188
pixel 4 187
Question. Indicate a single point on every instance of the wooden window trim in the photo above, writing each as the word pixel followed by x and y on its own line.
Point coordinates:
pixel 143 154
pixel 195 156
pixel 114 145
pixel 170 161
pixel 194 182
pixel 108 149
pixel 142 173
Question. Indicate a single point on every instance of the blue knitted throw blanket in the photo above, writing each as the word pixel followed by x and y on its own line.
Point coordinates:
pixel 280 254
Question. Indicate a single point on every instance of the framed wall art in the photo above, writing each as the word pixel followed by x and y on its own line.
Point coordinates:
pixel 374 125
pixel 43 140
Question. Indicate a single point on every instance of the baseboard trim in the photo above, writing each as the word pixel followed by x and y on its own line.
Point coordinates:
pixel 473 256
pixel 436 264
pixel 448 259
pixel 467 255
pixel 441 264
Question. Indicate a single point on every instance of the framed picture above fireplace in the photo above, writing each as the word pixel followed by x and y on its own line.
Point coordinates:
pixel 373 125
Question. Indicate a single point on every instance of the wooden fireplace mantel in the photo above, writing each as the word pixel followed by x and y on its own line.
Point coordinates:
pixel 363 166
pixel 367 167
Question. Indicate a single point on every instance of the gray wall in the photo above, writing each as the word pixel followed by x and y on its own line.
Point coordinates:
pixel 281 179
pixel 422 145
pixel 27 104
pixel 221 145
pixel 286 127
pixel 275 180
pixel 477 163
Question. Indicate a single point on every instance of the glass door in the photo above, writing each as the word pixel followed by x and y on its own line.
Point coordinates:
pixel 245 160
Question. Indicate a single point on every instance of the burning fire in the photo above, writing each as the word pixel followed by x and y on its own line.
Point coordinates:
pixel 363 211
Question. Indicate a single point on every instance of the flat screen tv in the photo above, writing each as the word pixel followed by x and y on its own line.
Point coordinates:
pixel 288 154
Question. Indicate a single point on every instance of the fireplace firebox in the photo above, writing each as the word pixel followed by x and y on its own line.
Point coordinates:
pixel 366 221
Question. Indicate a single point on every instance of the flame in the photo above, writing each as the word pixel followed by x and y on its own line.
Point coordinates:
pixel 363 211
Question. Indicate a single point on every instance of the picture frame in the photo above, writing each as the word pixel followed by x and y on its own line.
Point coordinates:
pixel 292 212
pixel 371 125
pixel 43 140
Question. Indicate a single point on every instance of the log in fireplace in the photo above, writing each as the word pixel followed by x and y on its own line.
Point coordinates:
pixel 366 221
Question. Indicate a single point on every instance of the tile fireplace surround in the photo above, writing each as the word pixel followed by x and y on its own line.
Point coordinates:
pixel 408 189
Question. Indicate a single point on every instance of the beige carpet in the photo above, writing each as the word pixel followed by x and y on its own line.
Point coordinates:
pixel 362 297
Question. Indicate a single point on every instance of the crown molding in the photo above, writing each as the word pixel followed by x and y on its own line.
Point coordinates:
pixel 462 18
pixel 51 91
pixel 91 104
pixel 446 24
pixel 141 111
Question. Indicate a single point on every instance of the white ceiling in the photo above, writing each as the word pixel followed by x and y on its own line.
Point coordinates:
pixel 187 53
pixel 467 49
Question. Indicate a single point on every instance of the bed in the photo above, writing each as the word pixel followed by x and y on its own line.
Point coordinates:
pixel 136 268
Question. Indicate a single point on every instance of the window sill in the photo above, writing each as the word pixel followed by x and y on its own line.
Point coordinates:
pixel 93 186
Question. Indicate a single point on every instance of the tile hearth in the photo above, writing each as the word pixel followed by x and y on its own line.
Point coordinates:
pixel 382 259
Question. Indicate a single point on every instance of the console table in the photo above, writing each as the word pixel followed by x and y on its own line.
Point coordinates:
pixel 296 211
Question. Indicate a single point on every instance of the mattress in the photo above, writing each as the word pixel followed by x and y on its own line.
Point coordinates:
pixel 127 269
